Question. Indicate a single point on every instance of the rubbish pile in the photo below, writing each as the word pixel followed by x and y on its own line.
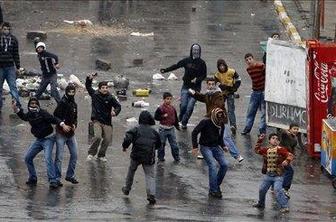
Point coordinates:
pixel 28 83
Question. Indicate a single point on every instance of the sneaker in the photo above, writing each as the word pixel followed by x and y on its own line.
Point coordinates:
pixel 244 133
pixel 200 156
pixel 89 157
pixel 287 193
pixel 151 199
pixel 284 210
pixel 233 130
pixel 184 127
pixel 240 159
pixel 53 185
pixel 259 206
pixel 31 182
pixel 72 180
pixel 161 160
pixel 125 191
pixel 217 194
pixel 59 183
pixel 103 159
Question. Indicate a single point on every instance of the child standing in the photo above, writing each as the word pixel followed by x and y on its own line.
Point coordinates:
pixel 167 115
pixel 211 141
pixel 276 158
pixel 288 139
pixel 145 140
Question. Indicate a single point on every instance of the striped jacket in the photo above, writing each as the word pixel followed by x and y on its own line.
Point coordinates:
pixel 9 51
pixel 48 61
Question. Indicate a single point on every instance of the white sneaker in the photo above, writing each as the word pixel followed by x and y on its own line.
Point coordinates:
pixel 200 156
pixel 240 159
pixel 103 159
pixel 89 157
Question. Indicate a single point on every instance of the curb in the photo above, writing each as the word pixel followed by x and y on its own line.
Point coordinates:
pixel 285 20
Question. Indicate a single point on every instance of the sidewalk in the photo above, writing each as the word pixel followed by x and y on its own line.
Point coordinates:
pixel 301 14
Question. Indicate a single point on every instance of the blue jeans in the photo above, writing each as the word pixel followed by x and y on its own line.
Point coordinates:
pixel 72 146
pixel 277 181
pixel 228 141
pixel 288 177
pixel 186 106
pixel 46 144
pixel 211 155
pixel 257 101
pixel 170 135
pixel 231 110
pixel 8 74
pixel 46 80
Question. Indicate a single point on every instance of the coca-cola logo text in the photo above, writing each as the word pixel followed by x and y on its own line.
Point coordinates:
pixel 321 75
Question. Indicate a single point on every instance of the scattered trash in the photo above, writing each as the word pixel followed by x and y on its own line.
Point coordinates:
pixel 121 94
pixel 142 34
pixel 120 82
pixel 103 64
pixel 33 34
pixel 80 23
pixel 141 92
pixel 252 14
pixel 172 76
pixel 140 103
pixel 158 76
pixel 132 120
pixel 62 83
pixel 75 80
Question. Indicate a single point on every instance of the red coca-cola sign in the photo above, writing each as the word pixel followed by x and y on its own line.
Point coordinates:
pixel 321 90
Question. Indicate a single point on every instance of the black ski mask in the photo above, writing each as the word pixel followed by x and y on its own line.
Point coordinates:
pixel 33 105
pixel 69 95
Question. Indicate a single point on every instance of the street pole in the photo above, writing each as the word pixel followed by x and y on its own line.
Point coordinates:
pixel 316 8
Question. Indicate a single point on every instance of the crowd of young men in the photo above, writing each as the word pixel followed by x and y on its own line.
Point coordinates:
pixel 215 128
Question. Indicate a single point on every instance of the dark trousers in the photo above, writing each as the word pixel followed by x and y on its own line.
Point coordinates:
pixel 46 80
pixel 288 177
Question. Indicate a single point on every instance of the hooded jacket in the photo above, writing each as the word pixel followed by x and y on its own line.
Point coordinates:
pixel 40 121
pixel 66 111
pixel 9 51
pixel 47 62
pixel 193 68
pixel 144 138
pixel 229 80
pixel 213 100
pixel 102 105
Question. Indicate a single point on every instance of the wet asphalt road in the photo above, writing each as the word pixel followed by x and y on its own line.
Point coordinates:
pixel 227 29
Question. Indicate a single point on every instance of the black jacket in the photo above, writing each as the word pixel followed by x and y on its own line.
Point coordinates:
pixel 102 105
pixel 144 138
pixel 193 68
pixel 47 61
pixel 9 51
pixel 40 122
pixel 211 135
pixel 66 111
